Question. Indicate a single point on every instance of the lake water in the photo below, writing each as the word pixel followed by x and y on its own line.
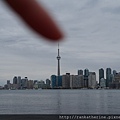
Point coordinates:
pixel 59 101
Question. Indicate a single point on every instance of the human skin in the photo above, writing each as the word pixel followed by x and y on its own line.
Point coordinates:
pixel 37 18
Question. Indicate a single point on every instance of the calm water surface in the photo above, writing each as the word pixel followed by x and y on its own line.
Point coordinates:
pixel 59 101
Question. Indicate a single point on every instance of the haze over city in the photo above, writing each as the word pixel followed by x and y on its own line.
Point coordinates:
pixel 91 40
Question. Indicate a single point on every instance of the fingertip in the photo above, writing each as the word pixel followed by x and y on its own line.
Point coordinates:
pixel 37 18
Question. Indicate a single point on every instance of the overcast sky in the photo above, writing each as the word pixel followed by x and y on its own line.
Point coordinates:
pixel 92 30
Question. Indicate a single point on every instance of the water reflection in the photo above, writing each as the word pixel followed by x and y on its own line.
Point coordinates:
pixel 58 96
pixel 60 102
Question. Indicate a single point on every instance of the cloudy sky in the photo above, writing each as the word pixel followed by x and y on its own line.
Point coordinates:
pixel 92 40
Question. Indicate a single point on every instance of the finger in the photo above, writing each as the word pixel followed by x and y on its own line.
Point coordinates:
pixel 37 18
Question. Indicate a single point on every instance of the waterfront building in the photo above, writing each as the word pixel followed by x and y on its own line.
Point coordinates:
pixel 117 77
pixel 59 81
pixel 111 78
pixel 66 81
pixel 35 86
pixel 8 84
pixel 101 74
pixel 47 83
pixel 35 81
pixel 71 81
pixel 53 81
pixel 114 72
pixel 115 85
pixel 80 72
pixel 19 82
pixel 92 80
pixel 41 84
pixel 116 82
pixel 1 87
pixel 30 84
pixel 102 83
pixel 56 81
pixel 6 87
pixel 13 86
pixel 86 74
pixel 76 81
pixel 108 75
pixel 24 82
pixel 15 80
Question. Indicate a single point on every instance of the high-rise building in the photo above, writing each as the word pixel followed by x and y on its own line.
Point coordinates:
pixel 56 81
pixel 80 72
pixel 19 82
pixel 76 81
pixel 8 82
pixel 15 80
pixel 114 72
pixel 108 75
pixel 101 74
pixel 47 83
pixel 116 82
pixel 59 78
pixel 66 80
pixel 102 83
pixel 111 78
pixel 53 81
pixel 30 84
pixel 86 74
pixel 24 82
pixel 92 80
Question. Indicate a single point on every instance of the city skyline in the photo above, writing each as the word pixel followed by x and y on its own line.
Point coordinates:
pixel 105 74
pixel 85 79
pixel 92 40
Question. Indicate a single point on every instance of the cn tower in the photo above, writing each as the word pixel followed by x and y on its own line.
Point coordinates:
pixel 58 58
